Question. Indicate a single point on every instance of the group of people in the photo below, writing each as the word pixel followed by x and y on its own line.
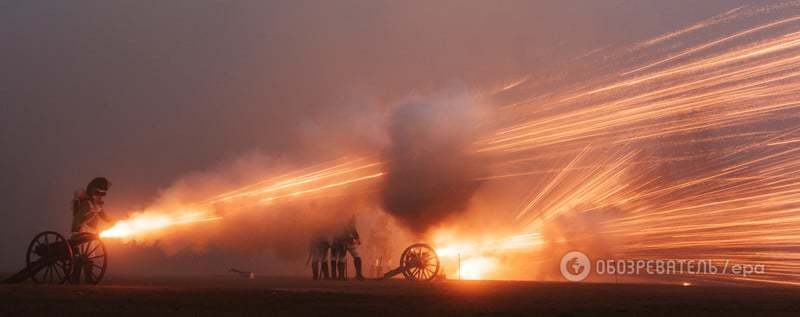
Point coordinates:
pixel 346 240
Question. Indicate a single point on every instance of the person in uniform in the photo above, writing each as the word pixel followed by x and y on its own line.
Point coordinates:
pixel 318 252
pixel 348 241
pixel 87 211
pixel 87 207
pixel 338 253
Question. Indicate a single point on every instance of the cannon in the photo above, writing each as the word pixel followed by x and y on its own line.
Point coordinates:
pixel 52 259
pixel 418 262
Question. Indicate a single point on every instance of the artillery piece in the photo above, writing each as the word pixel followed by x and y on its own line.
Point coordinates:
pixel 418 262
pixel 52 259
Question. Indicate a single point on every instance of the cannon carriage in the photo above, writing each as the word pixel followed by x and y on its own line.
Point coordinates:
pixel 419 262
pixel 52 259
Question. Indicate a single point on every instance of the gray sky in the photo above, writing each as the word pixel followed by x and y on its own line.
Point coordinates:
pixel 144 92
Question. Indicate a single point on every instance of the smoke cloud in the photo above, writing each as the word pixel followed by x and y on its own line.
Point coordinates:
pixel 432 171
pixel 269 238
pixel 160 97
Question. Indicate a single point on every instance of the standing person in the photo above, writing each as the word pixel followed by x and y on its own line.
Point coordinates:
pixel 338 253
pixel 324 248
pixel 318 251
pixel 348 241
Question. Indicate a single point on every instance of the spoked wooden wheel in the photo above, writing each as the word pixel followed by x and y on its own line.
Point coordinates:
pixel 49 258
pixel 419 262
pixel 90 259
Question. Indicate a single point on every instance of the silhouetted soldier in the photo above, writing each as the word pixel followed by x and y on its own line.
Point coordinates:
pixel 87 211
pixel 338 253
pixel 318 251
pixel 346 241
pixel 87 207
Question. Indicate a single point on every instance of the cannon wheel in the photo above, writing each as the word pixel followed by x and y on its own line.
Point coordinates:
pixel 419 262
pixel 90 259
pixel 52 256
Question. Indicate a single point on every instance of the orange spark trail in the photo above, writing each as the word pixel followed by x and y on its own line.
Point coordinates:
pixel 727 110
pixel 297 184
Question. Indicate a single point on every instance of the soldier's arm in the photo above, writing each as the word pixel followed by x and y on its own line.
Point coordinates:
pixel 79 210
pixel 103 215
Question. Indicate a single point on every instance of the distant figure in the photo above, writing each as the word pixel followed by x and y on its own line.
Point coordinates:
pixel 318 253
pixel 347 240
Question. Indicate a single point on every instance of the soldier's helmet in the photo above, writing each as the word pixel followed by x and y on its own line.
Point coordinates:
pixel 98 185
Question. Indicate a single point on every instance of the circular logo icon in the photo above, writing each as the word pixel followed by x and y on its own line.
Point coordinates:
pixel 575 266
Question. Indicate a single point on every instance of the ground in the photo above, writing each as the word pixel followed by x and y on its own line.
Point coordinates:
pixel 301 297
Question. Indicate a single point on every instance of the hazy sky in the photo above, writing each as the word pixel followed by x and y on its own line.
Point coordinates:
pixel 144 92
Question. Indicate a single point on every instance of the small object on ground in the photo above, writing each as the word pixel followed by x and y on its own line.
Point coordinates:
pixel 244 274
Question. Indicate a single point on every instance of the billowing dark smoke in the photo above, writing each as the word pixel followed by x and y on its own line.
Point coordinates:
pixel 432 168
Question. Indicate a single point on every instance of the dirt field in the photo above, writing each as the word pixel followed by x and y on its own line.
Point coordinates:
pixel 297 297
